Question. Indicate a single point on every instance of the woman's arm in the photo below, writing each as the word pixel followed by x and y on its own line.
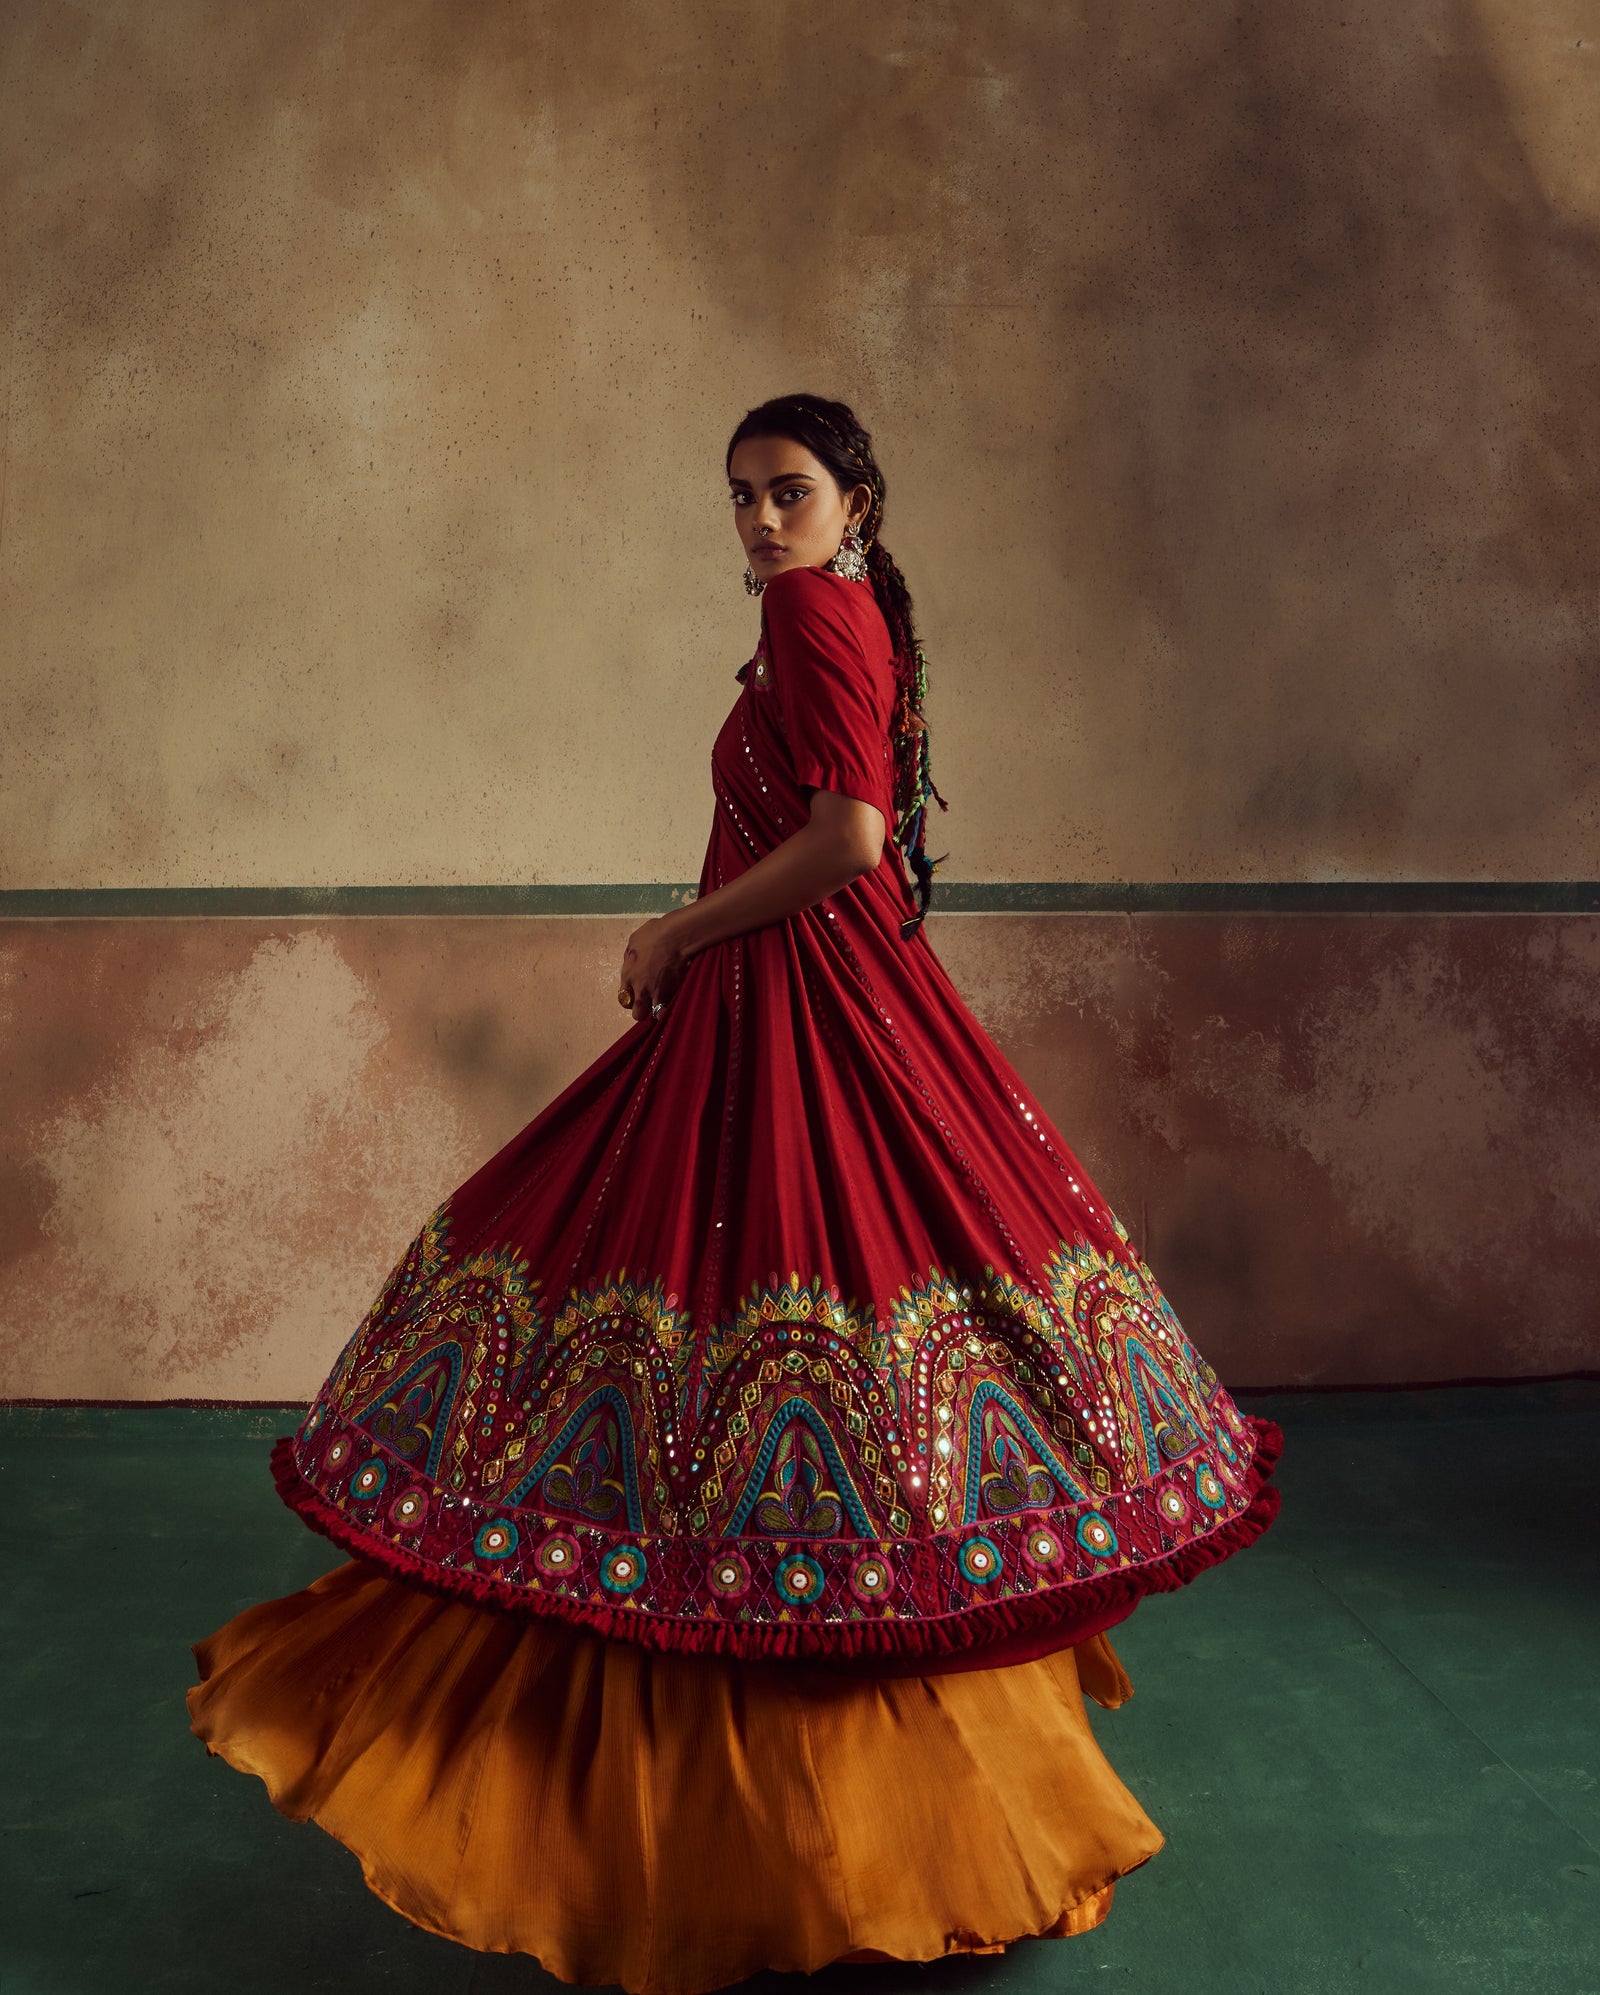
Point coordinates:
pixel 843 838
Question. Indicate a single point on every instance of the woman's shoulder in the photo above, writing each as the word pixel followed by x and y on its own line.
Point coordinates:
pixel 808 585
pixel 822 597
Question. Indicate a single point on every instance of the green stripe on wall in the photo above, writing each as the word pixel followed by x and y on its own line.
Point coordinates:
pixel 954 897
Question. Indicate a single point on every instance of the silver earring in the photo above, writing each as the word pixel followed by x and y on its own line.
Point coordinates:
pixel 753 584
pixel 851 560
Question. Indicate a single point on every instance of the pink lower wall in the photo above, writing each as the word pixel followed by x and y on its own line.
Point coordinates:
pixel 1355 1148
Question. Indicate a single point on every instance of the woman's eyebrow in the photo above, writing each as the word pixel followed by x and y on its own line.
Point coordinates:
pixel 783 478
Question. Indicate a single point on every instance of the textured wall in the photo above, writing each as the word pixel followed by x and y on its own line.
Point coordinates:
pixel 367 372
pixel 1353 1150
pixel 370 368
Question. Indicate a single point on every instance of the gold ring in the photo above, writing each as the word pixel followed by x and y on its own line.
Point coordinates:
pixel 625 996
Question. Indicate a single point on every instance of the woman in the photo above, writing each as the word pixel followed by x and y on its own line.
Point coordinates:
pixel 742 1468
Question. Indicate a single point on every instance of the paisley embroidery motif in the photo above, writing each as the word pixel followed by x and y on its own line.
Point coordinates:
pixel 799 1487
pixel 1009 1465
pixel 589 1470
pixel 410 1418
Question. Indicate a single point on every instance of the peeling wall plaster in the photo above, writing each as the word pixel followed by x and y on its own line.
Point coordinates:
pixel 1352 1150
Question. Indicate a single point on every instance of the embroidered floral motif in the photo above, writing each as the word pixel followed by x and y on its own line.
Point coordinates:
pixel 1043 1548
pixel 497 1540
pixel 623 1569
pixel 1097 1535
pixel 800 1577
pixel 369 1479
pixel 729 1574
pixel 980 1560
pixel 756 671
pixel 869 1577
pixel 556 1554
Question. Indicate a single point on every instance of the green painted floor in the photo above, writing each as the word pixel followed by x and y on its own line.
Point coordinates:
pixel 1371 1740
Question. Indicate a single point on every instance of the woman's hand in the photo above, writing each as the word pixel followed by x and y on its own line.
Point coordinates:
pixel 653 963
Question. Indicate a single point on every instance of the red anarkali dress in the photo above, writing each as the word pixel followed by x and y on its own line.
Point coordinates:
pixel 741 1469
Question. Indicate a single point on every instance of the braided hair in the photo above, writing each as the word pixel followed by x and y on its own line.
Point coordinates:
pixel 830 431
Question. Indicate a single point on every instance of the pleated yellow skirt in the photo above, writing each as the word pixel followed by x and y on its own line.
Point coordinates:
pixel 672 1823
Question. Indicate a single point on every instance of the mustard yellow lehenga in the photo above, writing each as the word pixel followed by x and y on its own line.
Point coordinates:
pixel 521 1785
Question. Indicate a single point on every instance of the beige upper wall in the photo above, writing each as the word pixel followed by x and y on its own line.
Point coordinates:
pixel 368 373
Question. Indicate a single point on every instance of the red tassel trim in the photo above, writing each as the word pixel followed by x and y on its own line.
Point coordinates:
pixel 1086 1604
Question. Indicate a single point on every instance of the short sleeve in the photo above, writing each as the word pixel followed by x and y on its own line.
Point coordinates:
pixel 827 695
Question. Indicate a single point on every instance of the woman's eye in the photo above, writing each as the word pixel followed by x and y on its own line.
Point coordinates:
pixel 798 491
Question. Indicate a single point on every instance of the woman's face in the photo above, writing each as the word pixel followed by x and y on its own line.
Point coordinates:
pixel 787 507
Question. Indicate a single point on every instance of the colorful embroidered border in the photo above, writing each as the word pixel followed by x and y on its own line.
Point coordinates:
pixel 925 1596
pixel 733 1490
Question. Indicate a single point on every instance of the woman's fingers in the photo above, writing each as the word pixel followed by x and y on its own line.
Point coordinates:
pixel 657 993
pixel 653 970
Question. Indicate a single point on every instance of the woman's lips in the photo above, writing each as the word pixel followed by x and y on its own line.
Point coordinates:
pixel 767 547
